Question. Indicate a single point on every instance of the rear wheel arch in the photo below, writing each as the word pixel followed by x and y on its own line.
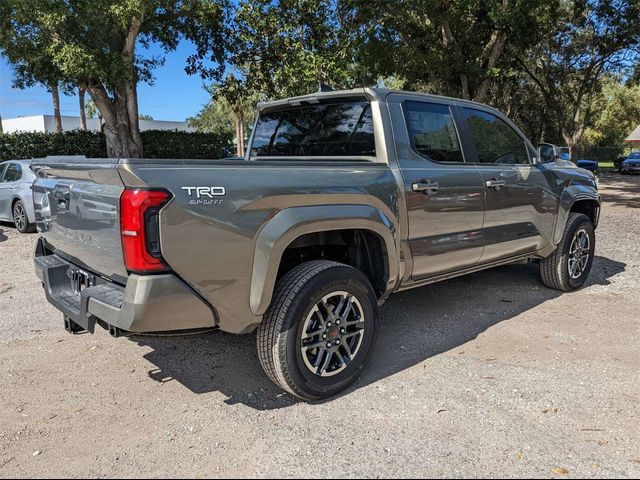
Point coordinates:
pixel 306 227
pixel 361 248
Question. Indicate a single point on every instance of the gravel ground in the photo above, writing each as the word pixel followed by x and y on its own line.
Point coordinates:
pixel 489 375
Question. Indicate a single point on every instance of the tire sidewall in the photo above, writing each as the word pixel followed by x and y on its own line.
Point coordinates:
pixel 580 222
pixel 338 278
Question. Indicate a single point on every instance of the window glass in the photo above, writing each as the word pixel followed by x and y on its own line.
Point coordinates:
pixel 13 173
pixel 496 141
pixel 323 130
pixel 432 131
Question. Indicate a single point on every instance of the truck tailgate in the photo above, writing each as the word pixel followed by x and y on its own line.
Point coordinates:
pixel 76 206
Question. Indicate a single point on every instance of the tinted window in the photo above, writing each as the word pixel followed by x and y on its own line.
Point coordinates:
pixel 13 173
pixel 495 140
pixel 325 130
pixel 432 131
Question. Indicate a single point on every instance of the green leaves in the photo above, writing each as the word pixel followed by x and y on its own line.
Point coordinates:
pixel 287 48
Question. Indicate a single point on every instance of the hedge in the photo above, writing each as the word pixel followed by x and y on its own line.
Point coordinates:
pixel 157 144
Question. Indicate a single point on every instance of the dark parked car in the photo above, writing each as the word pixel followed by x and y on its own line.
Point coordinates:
pixel 591 165
pixel 631 164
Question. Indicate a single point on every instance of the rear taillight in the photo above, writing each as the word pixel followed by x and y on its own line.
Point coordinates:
pixel 140 229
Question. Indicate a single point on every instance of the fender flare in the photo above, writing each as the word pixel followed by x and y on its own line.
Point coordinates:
pixel 291 223
pixel 569 197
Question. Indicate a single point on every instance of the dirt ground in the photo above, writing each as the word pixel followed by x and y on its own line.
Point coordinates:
pixel 488 375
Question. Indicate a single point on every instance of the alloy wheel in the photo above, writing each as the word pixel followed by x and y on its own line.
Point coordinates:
pixel 332 334
pixel 19 216
pixel 579 253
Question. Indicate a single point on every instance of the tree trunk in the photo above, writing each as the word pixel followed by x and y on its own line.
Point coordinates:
pixel 56 106
pixel 239 118
pixel 122 133
pixel 120 120
pixel 120 108
pixel 1 130
pixel 83 115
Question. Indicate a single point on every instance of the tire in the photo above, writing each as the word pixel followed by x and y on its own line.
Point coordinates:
pixel 560 270
pixel 21 219
pixel 301 303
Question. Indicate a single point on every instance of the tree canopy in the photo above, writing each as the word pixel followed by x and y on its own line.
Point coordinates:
pixel 100 46
pixel 555 66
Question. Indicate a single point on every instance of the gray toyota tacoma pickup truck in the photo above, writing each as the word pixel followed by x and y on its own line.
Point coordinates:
pixel 343 198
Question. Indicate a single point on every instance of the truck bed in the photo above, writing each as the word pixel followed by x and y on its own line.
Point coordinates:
pixel 208 239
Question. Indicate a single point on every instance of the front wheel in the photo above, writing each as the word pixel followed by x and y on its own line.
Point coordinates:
pixel 20 218
pixel 568 267
pixel 320 329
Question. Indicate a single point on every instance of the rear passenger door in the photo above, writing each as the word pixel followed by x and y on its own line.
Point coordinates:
pixel 519 202
pixel 444 194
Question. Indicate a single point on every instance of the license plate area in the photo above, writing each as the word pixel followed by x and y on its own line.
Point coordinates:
pixel 79 280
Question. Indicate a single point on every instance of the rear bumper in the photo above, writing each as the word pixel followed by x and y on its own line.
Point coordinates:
pixel 148 303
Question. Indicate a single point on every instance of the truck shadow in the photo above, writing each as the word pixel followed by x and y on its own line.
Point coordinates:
pixel 416 325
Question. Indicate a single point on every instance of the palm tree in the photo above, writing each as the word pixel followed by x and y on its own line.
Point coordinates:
pixel 56 106
pixel 83 115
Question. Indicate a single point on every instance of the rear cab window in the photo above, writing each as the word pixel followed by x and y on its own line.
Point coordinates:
pixel 325 130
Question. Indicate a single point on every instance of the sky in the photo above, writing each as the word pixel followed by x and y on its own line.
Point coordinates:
pixel 174 96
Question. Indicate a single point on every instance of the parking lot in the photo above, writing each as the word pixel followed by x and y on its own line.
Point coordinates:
pixel 486 375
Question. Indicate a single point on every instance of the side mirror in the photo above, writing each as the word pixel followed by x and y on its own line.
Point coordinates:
pixel 547 152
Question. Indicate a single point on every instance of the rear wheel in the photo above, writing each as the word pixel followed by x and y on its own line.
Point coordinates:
pixel 20 218
pixel 320 329
pixel 569 266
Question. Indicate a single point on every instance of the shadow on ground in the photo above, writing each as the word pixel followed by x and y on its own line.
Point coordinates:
pixel 3 237
pixel 416 325
pixel 621 190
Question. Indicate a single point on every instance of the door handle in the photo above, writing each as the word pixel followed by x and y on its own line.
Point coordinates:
pixel 427 187
pixel 493 183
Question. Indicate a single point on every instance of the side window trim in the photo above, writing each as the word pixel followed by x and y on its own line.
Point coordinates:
pixel 507 122
pixel 452 110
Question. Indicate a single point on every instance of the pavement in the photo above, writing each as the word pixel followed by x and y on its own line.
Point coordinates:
pixel 488 375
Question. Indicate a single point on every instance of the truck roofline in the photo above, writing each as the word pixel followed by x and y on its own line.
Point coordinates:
pixel 373 93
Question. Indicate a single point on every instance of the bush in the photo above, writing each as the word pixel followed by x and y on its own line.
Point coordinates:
pixel 14 146
pixel 175 144
pixel 157 144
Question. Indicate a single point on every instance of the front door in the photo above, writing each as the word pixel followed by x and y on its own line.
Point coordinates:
pixel 444 195
pixel 519 203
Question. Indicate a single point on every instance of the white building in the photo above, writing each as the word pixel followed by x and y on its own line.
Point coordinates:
pixel 47 123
